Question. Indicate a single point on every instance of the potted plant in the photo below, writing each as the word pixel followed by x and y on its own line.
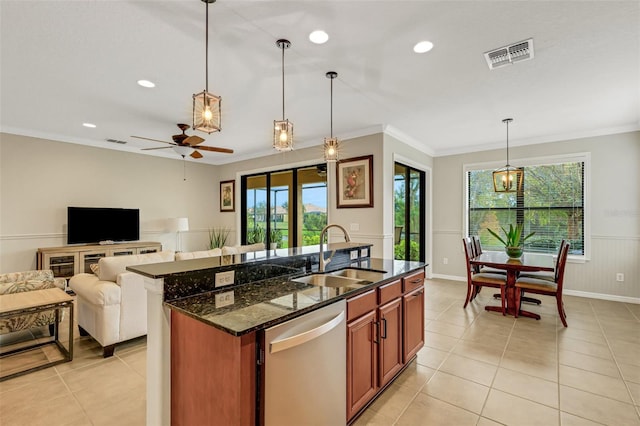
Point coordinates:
pixel 218 237
pixel 256 235
pixel 275 237
pixel 513 242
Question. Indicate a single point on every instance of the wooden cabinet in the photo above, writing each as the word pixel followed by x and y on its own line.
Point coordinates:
pixel 385 329
pixel 67 261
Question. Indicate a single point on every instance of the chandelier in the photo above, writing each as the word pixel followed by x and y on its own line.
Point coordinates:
pixel 507 178
pixel 283 129
pixel 331 144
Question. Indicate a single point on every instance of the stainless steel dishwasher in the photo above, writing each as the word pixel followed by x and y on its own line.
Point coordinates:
pixel 305 369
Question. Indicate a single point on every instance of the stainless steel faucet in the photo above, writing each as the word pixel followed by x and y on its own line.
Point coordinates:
pixel 323 262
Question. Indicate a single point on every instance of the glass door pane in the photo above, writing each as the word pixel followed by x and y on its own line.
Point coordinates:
pixel 409 213
pixel 256 197
pixel 399 197
pixel 312 184
pixel 415 214
pixel 280 208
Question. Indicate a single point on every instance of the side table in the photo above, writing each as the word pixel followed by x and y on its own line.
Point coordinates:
pixel 18 304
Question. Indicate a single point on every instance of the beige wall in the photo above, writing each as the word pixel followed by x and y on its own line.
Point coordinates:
pixel 614 208
pixel 40 178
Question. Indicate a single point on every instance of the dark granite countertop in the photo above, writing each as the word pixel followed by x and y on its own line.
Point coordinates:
pixel 262 304
pixel 161 270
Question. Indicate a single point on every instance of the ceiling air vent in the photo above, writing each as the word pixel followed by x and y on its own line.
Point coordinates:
pixel 521 51
pixel 116 141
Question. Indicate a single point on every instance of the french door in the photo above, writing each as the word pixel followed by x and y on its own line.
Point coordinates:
pixel 409 213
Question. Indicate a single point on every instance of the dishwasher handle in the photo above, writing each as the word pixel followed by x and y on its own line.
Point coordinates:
pixel 299 339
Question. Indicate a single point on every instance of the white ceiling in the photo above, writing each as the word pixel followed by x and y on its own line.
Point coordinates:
pixel 68 62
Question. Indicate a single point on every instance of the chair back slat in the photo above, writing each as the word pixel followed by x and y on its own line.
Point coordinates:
pixel 562 262
pixel 468 253
pixel 477 245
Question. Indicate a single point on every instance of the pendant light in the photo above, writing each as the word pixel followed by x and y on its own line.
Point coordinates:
pixel 331 144
pixel 206 106
pixel 283 129
pixel 507 178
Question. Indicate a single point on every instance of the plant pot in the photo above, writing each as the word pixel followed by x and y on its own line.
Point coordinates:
pixel 273 246
pixel 514 252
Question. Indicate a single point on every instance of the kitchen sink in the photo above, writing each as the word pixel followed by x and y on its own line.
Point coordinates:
pixel 359 274
pixel 354 278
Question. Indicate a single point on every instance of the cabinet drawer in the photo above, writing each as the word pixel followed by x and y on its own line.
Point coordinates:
pixel 388 292
pixel 361 304
pixel 413 281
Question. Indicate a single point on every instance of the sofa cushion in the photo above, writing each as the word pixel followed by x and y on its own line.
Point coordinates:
pixel 198 254
pixel 110 267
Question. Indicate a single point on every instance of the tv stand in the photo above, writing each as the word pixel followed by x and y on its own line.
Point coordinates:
pixel 66 261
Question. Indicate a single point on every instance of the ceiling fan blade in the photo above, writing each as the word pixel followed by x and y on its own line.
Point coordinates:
pixel 193 140
pixel 216 149
pixel 151 149
pixel 196 154
pixel 154 140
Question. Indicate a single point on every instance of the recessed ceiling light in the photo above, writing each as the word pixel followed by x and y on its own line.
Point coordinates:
pixel 318 37
pixel 90 125
pixel 423 46
pixel 146 83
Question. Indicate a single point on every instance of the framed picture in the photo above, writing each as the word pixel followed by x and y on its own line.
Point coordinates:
pixel 355 182
pixel 227 196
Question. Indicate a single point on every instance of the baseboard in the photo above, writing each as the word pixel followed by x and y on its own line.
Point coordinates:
pixel 602 296
pixel 577 293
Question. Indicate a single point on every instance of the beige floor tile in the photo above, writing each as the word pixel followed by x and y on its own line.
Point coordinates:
pixel 489 335
pixel 439 341
pixel 483 421
pixel 630 372
pixel 446 328
pixel 591 336
pixel 103 404
pixel 373 418
pixel 567 419
pixel 540 349
pixel 597 408
pixel 425 410
pixel 634 390
pixel 470 369
pixel 543 368
pixel 23 361
pixel 415 376
pixel 599 384
pixel 136 360
pixel 62 410
pixel 587 348
pixel 430 357
pixel 590 363
pixel 582 321
pixel 108 374
pixel 626 352
pixel 480 351
pixel 457 391
pixel 528 387
pixel 393 400
pixel 512 410
pixel 86 351
pixel 40 392
pixel 17 383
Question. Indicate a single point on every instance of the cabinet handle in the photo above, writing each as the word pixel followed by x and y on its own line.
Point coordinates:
pixel 414 295
pixel 376 331
pixel 416 281
pixel 384 328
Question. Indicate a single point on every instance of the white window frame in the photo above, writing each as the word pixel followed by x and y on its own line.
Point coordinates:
pixel 584 157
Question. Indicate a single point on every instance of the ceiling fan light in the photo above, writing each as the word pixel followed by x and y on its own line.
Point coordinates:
pixel 283 135
pixel 207 112
pixel 182 150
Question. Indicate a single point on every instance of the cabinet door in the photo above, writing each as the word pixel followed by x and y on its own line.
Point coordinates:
pixel 64 265
pixel 87 258
pixel 362 362
pixel 413 323
pixel 390 348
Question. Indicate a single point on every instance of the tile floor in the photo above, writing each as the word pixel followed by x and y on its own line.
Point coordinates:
pixel 477 368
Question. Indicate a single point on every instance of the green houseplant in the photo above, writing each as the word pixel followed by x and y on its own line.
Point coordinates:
pixel 218 237
pixel 255 235
pixel 513 242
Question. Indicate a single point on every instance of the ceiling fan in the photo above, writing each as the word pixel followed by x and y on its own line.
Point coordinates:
pixel 183 144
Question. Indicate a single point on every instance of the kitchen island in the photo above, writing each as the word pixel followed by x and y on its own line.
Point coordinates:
pixel 204 350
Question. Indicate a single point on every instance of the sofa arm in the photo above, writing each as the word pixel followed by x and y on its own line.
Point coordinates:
pixel 90 288
pixel 61 283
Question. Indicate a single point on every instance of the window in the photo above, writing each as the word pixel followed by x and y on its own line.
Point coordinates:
pixel 297 206
pixel 552 204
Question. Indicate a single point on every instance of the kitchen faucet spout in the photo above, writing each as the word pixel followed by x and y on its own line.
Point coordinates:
pixel 323 262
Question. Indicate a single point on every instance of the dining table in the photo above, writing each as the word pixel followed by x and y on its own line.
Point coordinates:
pixel 528 262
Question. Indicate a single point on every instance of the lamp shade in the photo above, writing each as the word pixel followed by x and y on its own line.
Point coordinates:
pixel 178 224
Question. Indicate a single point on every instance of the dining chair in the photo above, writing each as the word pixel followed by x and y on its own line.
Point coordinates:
pixel 546 287
pixel 546 275
pixel 477 280
pixel 477 246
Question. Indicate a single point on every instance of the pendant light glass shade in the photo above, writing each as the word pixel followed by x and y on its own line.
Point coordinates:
pixel 331 144
pixel 508 178
pixel 206 106
pixel 283 129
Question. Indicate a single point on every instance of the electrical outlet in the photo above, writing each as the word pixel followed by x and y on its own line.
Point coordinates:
pixel 224 299
pixel 445 260
pixel 224 278
pixel 620 277
pixel 353 254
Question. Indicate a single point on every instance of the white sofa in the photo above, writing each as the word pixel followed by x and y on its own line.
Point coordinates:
pixel 112 302
pixel 198 254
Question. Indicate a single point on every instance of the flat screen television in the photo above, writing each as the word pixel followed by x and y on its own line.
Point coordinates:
pixel 86 225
